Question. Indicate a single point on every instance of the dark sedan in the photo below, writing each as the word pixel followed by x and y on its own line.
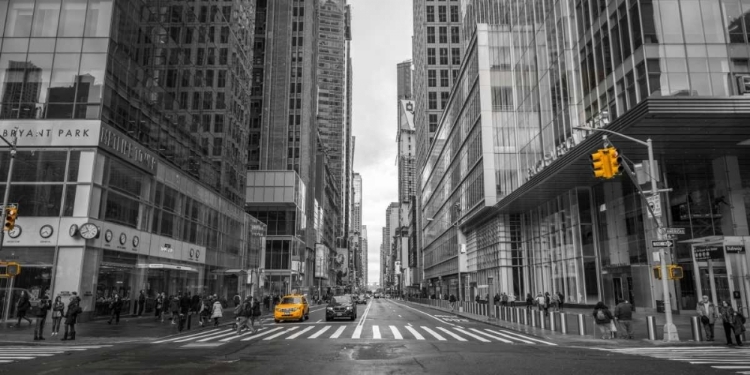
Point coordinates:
pixel 341 307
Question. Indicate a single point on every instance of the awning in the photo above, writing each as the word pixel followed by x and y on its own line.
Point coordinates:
pixel 230 272
pixel 166 266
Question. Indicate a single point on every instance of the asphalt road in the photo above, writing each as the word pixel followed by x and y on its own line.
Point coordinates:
pixel 388 337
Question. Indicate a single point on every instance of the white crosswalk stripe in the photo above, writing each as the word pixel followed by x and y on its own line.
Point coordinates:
pixel 9 354
pixel 357 332
pixel 722 358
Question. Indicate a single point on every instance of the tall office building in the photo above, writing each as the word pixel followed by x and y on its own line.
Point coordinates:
pixel 357 203
pixel 403 80
pixel 365 254
pixel 406 138
pixel 131 123
pixel 524 200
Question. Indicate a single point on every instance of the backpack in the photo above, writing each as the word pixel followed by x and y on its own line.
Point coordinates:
pixel 256 309
pixel 600 315
pixel 238 309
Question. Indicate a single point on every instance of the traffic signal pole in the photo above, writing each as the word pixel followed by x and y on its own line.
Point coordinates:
pixel 670 330
pixel 7 184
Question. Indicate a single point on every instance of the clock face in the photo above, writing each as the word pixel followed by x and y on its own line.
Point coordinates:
pixel 123 238
pixel 136 241
pixel 88 231
pixel 15 232
pixel 46 231
pixel 108 235
pixel 73 230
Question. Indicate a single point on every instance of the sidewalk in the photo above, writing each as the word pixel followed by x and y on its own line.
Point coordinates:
pixel 477 313
pixel 130 329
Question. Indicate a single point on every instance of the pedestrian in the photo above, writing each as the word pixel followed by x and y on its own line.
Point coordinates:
pixel 57 314
pixel 452 301
pixel 115 307
pixel 732 322
pixel 555 302
pixel 184 313
pixel 540 302
pixel 255 317
pixel 174 307
pixel 708 313
pixel 159 307
pixel 41 317
pixel 141 302
pixel 603 318
pixel 624 317
pixel 562 300
pixel 71 317
pixel 529 301
pixel 216 311
pixel 195 305
pixel 22 306
pixel 496 299
pixel 245 313
pixel 547 303
pixel 504 299
pixel 237 300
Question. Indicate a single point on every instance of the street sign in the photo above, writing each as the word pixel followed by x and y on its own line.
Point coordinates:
pixel 735 249
pixel 654 201
pixel 709 252
pixel 663 243
pixel 674 230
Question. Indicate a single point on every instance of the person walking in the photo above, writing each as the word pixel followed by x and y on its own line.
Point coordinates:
pixel 547 302
pixel 115 308
pixel 452 300
pixel 185 309
pixel 58 307
pixel 141 302
pixel 603 318
pixel 41 317
pixel 708 313
pixel 731 322
pixel 216 312
pixel 555 298
pixel 71 317
pixel 174 308
pixel 529 301
pixel 159 306
pixel 245 315
pixel 562 300
pixel 255 317
pixel 540 301
pixel 22 307
pixel 504 299
pixel 624 317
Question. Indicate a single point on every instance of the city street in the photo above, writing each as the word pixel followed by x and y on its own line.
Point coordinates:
pixel 389 336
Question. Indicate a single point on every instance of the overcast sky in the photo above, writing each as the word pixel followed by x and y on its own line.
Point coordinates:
pixel 381 38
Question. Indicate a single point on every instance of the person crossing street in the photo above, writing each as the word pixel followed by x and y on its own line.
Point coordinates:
pixel 244 315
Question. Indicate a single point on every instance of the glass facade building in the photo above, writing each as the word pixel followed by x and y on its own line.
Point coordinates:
pixel 508 175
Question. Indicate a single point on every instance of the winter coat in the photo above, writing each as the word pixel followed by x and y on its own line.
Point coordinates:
pixel 44 306
pixel 624 311
pixel 23 305
pixel 216 310
pixel 116 305
pixel 58 308
pixel 71 316
pixel 607 316
pixel 174 305
pixel 159 303
pixel 712 313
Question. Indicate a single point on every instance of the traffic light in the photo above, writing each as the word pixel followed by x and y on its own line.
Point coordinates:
pixel 9 269
pixel 675 272
pixel 10 218
pixel 615 162
pixel 600 163
pixel 657 272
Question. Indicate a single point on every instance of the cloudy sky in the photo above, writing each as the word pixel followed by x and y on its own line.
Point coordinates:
pixel 381 39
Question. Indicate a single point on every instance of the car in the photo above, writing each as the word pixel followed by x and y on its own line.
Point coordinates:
pixel 341 307
pixel 292 307
pixel 362 299
pixel 377 295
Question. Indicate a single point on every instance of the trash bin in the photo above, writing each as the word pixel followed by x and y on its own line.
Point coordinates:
pixel 659 306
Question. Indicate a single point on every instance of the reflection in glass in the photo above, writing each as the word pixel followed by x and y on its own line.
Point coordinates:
pixel 45 18
pixel 691 21
pixel 48 166
pixel 62 88
pixel 98 18
pixel 12 72
pixel 37 200
pixel 72 18
pixel 713 29
pixel 36 84
pixel 19 18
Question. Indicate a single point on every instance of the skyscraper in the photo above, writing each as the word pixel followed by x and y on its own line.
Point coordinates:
pixel 403 80
pixel 357 203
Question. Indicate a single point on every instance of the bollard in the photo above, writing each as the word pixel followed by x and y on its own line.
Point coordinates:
pixel 564 323
pixel 651 327
pixel 533 318
pixel 552 325
pixel 497 312
pixel 581 325
pixel 514 316
pixel 695 324
pixel 542 320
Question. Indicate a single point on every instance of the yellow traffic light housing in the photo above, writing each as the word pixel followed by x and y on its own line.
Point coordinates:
pixel 9 269
pixel 615 162
pixel 600 163
pixel 11 213
pixel 657 272
pixel 675 272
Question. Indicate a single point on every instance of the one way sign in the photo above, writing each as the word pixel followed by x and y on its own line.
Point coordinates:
pixel 664 243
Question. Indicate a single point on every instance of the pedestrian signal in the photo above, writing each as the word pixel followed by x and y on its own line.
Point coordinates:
pixel 675 272
pixel 10 218
pixel 600 164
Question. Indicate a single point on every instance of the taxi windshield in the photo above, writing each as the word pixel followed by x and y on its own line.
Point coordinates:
pixel 291 300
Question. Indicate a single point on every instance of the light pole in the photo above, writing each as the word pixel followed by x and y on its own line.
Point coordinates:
pixel 670 331
pixel 7 187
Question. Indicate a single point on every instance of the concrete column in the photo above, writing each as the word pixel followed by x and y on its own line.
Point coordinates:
pixel 728 196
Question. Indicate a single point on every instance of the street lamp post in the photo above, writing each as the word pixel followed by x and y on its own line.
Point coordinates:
pixel 670 330
pixel 6 196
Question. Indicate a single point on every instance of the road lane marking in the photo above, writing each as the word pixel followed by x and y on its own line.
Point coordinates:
pixel 414 332
pixel 399 316
pixel 182 337
pixel 495 337
pixel 396 333
pixel 300 333
pixel 376 332
pixel 249 332
pixel 322 331
pixel 455 336
pixel 433 333
pixel 338 332
pixel 482 339
pixel 513 334
pixel 357 332
pixel 262 334
pixel 422 312
pixel 280 333
pixel 502 334
pixel 203 336
pixel 231 332
pixel 320 320
pixel 364 316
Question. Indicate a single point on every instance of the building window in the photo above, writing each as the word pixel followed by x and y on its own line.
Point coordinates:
pixel 432 100
pixel 455 75
pixel 454 13
pixel 443 34
pixel 444 99
pixel 431 78
pixel 442 16
pixel 430 14
pixel 443 56
pixel 430 34
pixel 456 56
pixel 433 122
pixel 431 56
pixel 444 78
pixel 218 142
pixel 455 36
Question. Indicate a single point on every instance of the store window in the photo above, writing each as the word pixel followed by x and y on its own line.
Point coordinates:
pixel 35 277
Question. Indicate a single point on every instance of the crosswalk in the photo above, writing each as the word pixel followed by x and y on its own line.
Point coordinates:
pixel 374 332
pixel 9 354
pixel 736 359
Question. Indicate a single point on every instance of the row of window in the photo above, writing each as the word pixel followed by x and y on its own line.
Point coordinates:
pixel 443 34
pixel 444 77
pixel 442 12
pixel 455 54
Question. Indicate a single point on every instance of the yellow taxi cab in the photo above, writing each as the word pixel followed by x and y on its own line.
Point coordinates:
pixel 292 307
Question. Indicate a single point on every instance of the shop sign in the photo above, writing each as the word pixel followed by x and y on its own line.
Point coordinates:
pixel 123 146
pixel 32 133
pixel 709 252
pixel 167 248
pixel 735 249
